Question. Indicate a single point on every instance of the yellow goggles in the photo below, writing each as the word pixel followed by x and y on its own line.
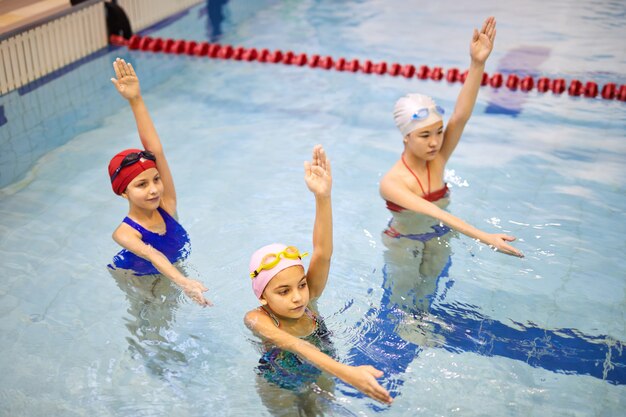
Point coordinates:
pixel 270 260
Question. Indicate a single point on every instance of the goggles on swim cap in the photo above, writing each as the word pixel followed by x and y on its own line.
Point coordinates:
pixel 270 260
pixel 422 114
pixel 132 158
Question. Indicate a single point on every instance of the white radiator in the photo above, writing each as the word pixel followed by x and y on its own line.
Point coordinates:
pixel 36 52
pixel 144 13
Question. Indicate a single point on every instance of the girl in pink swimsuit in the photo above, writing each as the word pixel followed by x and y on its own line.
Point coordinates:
pixel 415 183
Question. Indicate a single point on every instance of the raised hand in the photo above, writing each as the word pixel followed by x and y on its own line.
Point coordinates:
pixel 363 378
pixel 194 289
pixel 127 83
pixel 499 241
pixel 318 174
pixel 482 42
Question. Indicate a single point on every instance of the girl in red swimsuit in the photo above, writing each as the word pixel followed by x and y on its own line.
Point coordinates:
pixel 415 182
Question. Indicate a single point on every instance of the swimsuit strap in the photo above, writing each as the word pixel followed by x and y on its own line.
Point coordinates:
pixel 415 175
pixel 167 219
pixel 308 312
pixel 135 225
pixel 271 315
pixel 312 316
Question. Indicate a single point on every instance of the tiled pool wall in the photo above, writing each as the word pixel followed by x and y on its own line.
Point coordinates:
pixel 49 112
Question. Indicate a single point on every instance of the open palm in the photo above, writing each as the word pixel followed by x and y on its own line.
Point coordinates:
pixel 127 83
pixel 317 173
pixel 482 42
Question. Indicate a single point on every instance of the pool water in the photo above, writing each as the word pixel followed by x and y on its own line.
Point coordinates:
pixel 486 335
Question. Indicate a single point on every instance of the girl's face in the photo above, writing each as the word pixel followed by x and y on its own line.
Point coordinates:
pixel 145 190
pixel 287 294
pixel 426 142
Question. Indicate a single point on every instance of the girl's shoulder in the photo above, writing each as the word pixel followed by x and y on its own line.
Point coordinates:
pixel 392 177
pixel 126 231
pixel 255 317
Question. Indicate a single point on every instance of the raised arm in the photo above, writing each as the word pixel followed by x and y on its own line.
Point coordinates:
pixel 318 177
pixel 362 378
pixel 396 192
pixel 127 84
pixel 480 48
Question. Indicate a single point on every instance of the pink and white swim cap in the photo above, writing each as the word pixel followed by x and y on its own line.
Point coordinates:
pixel 260 278
pixel 415 111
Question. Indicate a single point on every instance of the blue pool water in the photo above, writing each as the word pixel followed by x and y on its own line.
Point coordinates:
pixel 488 335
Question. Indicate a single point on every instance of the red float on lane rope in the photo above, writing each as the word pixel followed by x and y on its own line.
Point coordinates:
pixel 436 74
pixel 608 91
pixel 543 84
pixel 408 71
pixel 557 86
pixel 423 72
pixel 452 75
pixel 527 83
pixel 621 93
pixel 496 80
pixel 591 89
pixel 512 81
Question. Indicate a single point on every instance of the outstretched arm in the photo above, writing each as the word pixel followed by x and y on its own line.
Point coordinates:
pixel 318 177
pixel 362 378
pixel 127 84
pixel 126 237
pixel 397 193
pixel 480 48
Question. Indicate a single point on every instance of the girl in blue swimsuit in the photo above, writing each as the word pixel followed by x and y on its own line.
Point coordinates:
pixel 151 237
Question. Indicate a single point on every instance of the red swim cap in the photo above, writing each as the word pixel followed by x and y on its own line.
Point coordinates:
pixel 128 173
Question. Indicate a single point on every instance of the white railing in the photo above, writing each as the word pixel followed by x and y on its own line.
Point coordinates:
pixel 41 49
pixel 144 13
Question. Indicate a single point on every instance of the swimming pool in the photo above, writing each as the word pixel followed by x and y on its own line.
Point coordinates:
pixel 503 337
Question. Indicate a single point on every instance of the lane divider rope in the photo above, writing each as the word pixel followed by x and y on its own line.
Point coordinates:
pixel 575 88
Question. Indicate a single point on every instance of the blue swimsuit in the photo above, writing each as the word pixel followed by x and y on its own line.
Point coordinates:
pixel 174 244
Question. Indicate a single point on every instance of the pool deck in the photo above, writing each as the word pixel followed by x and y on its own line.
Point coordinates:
pixel 17 13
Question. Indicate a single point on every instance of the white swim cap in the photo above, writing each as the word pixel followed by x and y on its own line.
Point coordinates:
pixel 414 111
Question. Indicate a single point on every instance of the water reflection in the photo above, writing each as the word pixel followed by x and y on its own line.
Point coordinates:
pixel 215 12
pixel 152 304
pixel 288 385
pixel 414 314
pixel 316 400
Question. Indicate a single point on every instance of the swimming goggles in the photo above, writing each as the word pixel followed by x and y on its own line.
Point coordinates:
pixel 422 114
pixel 133 158
pixel 270 260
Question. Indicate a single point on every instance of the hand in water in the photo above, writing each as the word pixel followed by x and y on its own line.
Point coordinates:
pixel 363 378
pixel 194 289
pixel 498 242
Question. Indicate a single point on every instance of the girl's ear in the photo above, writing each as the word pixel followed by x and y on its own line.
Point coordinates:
pixel 124 195
pixel 263 301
